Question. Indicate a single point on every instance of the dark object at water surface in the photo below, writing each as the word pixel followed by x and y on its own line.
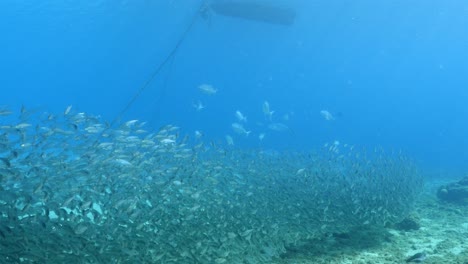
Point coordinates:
pixel 417 258
pixel 255 10
pixel 456 192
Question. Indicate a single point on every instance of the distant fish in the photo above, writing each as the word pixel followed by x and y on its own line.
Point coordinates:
pixel 279 127
pixel 198 134
pixel 198 105
pixel 229 140
pixel 239 129
pixel 334 147
pixel 123 162
pixel 67 111
pixel 417 258
pixel 327 115
pixel 261 136
pixel 266 110
pixel 300 171
pixel 131 123
pixel 207 89
pixel 168 141
pixel 240 116
pixel 22 126
pixel 5 112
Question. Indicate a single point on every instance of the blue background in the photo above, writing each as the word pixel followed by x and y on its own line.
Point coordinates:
pixel 394 73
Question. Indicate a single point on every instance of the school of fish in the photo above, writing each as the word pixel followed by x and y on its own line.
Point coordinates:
pixel 75 189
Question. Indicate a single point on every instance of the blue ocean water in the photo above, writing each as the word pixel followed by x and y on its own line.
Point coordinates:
pixel 393 73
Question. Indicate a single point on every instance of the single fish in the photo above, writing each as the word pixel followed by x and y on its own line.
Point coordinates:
pixel 198 106
pixel 131 123
pixel 327 115
pixel 266 110
pixel 22 126
pixel 123 162
pixel 168 141
pixel 207 89
pixel 241 116
pixel 67 111
pixel 261 136
pixel 198 134
pixel 239 129
pixel 279 127
pixel 5 112
pixel 229 140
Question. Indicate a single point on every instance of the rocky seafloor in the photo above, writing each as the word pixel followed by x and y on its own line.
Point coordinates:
pixel 442 236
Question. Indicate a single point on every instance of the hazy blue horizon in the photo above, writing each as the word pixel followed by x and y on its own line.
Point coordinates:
pixel 393 73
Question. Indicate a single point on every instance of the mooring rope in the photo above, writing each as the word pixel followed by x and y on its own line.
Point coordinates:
pixel 161 65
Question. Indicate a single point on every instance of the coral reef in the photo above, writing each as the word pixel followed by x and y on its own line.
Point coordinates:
pixel 456 192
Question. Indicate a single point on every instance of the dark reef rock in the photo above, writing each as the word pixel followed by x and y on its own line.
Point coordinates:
pixel 408 224
pixel 456 192
pixel 418 258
